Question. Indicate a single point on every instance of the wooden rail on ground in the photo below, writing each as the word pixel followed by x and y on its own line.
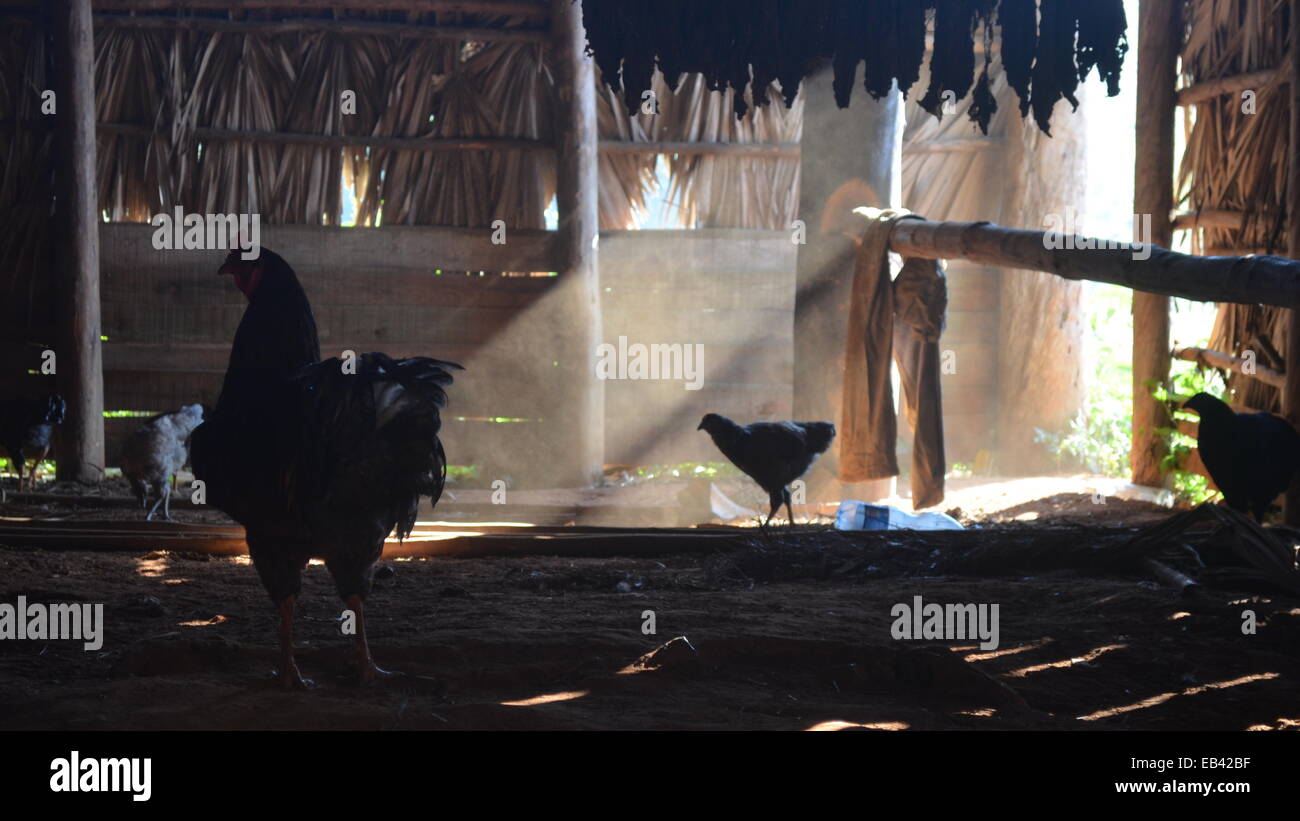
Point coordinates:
pixel 428 540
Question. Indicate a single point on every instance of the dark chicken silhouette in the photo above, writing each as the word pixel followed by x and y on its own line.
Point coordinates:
pixel 773 454
pixel 1250 456
pixel 316 459
pixel 27 427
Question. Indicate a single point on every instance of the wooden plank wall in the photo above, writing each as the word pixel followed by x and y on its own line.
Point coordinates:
pixel 170 320
pixel 730 290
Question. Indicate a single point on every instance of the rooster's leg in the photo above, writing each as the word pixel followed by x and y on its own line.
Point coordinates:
pixel 369 671
pixel 290 678
pixel 36 464
pixel 789 512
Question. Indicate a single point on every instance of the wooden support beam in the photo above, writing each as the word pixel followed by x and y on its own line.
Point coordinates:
pixel 79 362
pixel 1209 218
pixel 1218 359
pixel 850 157
pixel 1213 89
pixel 446 144
pixel 1266 280
pixel 504 8
pixel 420 144
pixel 410 31
pixel 1159 41
pixel 580 443
pixel 1291 391
pixel 761 150
pixel 958 146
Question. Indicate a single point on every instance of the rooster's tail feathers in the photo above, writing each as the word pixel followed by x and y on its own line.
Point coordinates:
pixel 373 407
pixel 393 384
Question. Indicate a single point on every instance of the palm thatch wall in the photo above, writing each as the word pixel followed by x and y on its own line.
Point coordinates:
pixel 710 191
pixel 1232 180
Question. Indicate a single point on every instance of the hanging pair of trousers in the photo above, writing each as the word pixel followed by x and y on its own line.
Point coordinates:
pixel 898 319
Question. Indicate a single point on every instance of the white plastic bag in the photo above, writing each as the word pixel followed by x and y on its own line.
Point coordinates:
pixel 855 515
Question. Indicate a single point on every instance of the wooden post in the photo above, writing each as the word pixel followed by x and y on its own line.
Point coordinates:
pixel 849 158
pixel 1291 391
pixel 78 356
pixel 1159 39
pixel 580 433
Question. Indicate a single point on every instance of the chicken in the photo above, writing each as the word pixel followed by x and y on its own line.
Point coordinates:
pixel 26 427
pixel 773 454
pixel 155 451
pixel 1250 456
pixel 317 459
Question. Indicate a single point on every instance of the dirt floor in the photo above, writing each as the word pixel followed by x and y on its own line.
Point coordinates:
pixel 789 633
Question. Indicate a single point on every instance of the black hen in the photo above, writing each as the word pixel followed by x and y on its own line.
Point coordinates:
pixel 317 459
pixel 773 454
pixel 26 427
pixel 1250 456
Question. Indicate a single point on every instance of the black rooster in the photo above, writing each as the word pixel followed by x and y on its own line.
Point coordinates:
pixel 1250 456
pixel 27 426
pixel 773 454
pixel 317 459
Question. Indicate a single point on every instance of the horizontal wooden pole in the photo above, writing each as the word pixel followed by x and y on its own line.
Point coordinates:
pixel 775 150
pixel 1213 89
pixel 1209 218
pixel 408 31
pixel 1218 359
pixel 504 8
pixel 1235 252
pixel 421 144
pixel 412 247
pixel 1267 280
pixel 438 144
pixel 955 146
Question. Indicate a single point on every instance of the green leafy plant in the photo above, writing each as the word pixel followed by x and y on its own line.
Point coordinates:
pixel 680 470
pixel 1099 438
pixel 1186 379
pixel 462 473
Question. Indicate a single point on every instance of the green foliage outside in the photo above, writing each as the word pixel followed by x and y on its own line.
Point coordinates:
pixel 1099 437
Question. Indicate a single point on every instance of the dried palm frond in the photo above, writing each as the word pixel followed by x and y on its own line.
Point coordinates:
pixel 330 65
pixel 709 191
pixel 131 74
pixel 954 184
pixel 625 179
pixel 731 192
pixel 1236 160
pixel 26 186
